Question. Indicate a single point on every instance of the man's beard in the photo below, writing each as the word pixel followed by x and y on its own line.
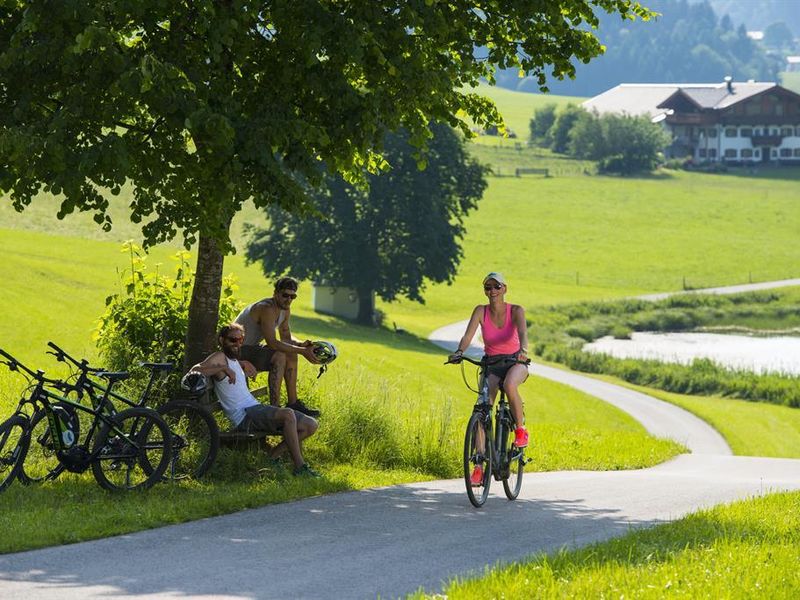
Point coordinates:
pixel 231 351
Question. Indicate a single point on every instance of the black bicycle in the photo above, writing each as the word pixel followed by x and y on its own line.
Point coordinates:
pixel 126 450
pixel 489 445
pixel 194 430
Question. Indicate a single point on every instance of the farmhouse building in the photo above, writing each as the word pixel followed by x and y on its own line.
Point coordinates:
pixel 728 122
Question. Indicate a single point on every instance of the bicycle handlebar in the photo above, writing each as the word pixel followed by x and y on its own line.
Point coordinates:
pixel 485 361
pixel 62 356
pixel 38 375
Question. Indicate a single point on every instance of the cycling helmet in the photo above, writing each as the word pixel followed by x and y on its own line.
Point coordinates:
pixel 194 382
pixel 325 352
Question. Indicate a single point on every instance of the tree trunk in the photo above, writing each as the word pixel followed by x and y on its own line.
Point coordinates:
pixel 201 335
pixel 366 308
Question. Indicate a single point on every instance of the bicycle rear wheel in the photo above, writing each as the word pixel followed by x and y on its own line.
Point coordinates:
pixel 14 441
pixel 477 453
pixel 41 463
pixel 134 453
pixel 195 438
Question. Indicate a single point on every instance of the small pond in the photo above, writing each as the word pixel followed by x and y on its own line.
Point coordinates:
pixel 780 354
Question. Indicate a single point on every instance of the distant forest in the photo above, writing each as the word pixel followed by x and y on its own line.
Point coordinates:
pixel 688 43
pixel 757 15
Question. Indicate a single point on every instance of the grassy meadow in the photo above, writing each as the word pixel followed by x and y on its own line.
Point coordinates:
pixel 392 411
pixel 747 549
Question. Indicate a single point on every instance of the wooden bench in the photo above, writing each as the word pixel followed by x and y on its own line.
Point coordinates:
pixel 228 437
pixel 531 171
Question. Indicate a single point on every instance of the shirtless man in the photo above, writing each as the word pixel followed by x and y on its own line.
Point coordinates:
pixel 278 355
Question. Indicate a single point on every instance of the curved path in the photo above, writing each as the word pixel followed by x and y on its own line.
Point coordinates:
pixel 391 541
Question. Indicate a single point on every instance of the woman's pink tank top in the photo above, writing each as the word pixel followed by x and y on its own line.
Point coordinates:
pixel 504 340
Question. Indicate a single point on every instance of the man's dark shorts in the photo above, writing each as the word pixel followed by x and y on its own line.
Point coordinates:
pixel 262 417
pixel 260 356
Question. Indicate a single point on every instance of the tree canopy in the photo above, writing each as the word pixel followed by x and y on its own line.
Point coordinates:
pixel 200 105
pixel 391 237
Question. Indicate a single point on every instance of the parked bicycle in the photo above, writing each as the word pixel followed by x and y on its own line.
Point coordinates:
pixel 491 445
pixel 126 450
pixel 194 430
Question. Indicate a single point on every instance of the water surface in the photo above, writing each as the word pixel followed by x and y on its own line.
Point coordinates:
pixel 779 354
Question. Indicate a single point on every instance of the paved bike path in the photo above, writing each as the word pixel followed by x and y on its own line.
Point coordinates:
pixel 384 542
pixel 391 541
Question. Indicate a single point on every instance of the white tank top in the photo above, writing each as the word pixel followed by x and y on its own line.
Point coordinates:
pixel 252 331
pixel 234 398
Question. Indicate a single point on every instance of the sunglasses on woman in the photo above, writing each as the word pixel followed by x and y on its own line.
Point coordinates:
pixel 490 287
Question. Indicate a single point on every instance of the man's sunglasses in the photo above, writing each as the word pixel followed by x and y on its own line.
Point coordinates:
pixel 287 296
pixel 235 340
pixel 490 287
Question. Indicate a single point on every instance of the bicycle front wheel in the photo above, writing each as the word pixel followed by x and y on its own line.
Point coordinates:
pixel 512 482
pixel 14 440
pixel 41 463
pixel 133 452
pixel 195 438
pixel 477 455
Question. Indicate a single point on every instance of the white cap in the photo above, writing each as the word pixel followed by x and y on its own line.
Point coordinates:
pixel 498 277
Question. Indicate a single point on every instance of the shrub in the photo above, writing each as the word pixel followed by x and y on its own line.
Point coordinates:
pixel 147 320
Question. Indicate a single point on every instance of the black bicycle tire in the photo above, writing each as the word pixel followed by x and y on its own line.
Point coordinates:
pixel 206 421
pixel 58 467
pixel 145 420
pixel 477 500
pixel 17 454
pixel 512 491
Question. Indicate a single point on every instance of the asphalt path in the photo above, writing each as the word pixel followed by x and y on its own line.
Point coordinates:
pixel 391 541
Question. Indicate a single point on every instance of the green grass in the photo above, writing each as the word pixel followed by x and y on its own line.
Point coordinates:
pixel 747 549
pixel 566 239
pixel 791 80
pixel 392 412
pixel 750 428
pixel 517 110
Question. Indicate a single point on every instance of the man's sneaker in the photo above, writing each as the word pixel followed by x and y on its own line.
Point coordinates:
pixel 520 437
pixel 476 479
pixel 305 471
pixel 299 406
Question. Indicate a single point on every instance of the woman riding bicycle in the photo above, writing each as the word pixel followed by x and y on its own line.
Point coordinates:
pixel 505 337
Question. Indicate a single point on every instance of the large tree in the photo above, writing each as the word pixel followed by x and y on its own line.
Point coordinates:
pixel 388 238
pixel 199 105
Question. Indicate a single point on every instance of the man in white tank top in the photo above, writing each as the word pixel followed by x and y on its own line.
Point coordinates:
pixel 229 375
pixel 278 354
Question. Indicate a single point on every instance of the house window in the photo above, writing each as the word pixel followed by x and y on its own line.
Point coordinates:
pixel 712 133
pixel 730 132
pixel 758 153
pixel 702 153
pixel 774 153
pixel 747 153
pixel 746 132
pixel 752 108
pixel 730 153
pixel 712 153
pixel 756 131
pixel 786 152
pixel 797 152
pixel 775 131
pixel 786 131
pixel 797 131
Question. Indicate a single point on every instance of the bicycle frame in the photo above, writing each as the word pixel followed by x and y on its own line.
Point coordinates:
pixel 495 433
pixel 84 384
pixel 43 398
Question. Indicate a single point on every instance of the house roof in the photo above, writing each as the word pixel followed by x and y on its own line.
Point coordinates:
pixel 652 98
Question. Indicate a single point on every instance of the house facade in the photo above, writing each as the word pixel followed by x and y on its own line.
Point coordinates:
pixel 730 122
